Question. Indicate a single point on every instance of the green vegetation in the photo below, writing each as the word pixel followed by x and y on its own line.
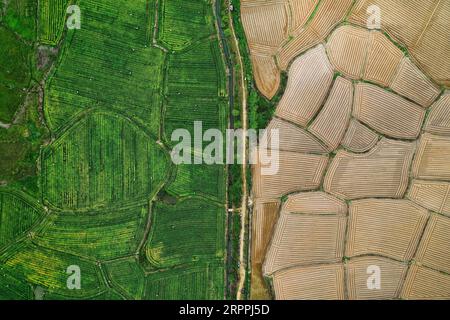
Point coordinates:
pixel 108 64
pixel 47 268
pixel 17 215
pixel 199 180
pixel 204 282
pixel 87 173
pixel 184 22
pixel 52 15
pixel 102 160
pixel 192 230
pixel 100 235
pixel 195 89
pixel 128 276
pixel 20 17
pixel 12 287
pixel 15 74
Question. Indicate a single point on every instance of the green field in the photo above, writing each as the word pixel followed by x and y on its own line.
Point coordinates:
pixel 102 160
pixel 87 178
pixel 184 22
pixel 199 282
pixel 15 73
pixel 198 228
pixel 52 15
pixel 108 64
pixel 17 216
pixel 199 180
pixel 95 235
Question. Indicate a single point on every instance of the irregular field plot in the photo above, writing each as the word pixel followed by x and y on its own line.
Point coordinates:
pixel 17 216
pixel 52 21
pixel 96 235
pixel 128 276
pixel 189 231
pixel 108 64
pixel 102 160
pixel 199 180
pixel 392 277
pixel 195 83
pixel 183 22
pixel 201 282
pixel 321 282
pixel 47 268
pixel 391 228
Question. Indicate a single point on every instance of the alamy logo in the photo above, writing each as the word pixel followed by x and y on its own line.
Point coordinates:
pixel 374 20
pixel 374 280
pixel 74 280
pixel 74 20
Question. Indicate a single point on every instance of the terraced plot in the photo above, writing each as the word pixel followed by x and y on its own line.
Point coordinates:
pixel 192 230
pixel 51 20
pixel 18 214
pixel 393 275
pixel 195 82
pixel 201 282
pixel 184 22
pixel 102 160
pixel 105 67
pixel 25 262
pixel 100 235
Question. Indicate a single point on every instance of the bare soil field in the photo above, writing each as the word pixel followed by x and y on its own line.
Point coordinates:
pixel 364 124
pixel 394 274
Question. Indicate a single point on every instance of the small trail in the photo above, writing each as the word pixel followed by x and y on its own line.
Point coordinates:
pixel 4 125
pixel 244 213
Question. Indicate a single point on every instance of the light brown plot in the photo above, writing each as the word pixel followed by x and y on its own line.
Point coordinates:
pixel 423 284
pixel 266 27
pixel 347 50
pixel 433 195
pixel 322 282
pixel 432 161
pixel 403 20
pixel 315 203
pixel 383 59
pixel 328 15
pixel 293 138
pixel 438 121
pixel 266 74
pixel 382 172
pixel 265 23
pixel 362 54
pixel 300 11
pixel 392 275
pixel 359 138
pixel 296 172
pixel 265 215
pixel 302 239
pixel 386 227
pixel 434 249
pixel 387 112
pixel 422 25
pixel 332 121
pixel 309 80
pixel 432 48
pixel 411 83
